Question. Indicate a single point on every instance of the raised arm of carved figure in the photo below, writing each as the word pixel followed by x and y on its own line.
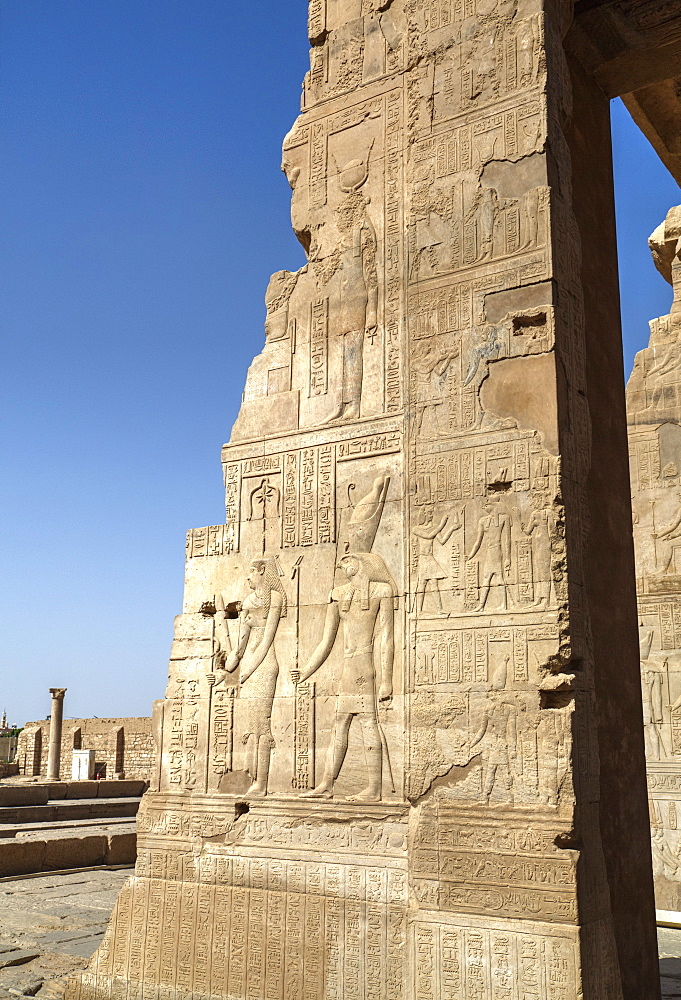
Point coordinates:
pixel 324 648
pixel 512 732
pixel 481 732
pixel 506 540
pixel 446 535
pixel 429 530
pixel 222 637
pixel 528 528
pixel 234 658
pixel 386 627
pixel 271 624
pixel 671 532
pixel 478 541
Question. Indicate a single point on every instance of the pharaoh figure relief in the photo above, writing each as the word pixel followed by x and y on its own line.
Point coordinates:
pixel 654 415
pixel 379 760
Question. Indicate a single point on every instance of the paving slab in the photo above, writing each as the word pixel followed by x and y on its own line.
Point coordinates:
pixel 61 919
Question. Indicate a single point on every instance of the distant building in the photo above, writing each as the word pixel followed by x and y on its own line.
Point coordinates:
pixel 122 746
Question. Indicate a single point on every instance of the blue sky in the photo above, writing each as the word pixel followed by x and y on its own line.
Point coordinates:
pixel 142 213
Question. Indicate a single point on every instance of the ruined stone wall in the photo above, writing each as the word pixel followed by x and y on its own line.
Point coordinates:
pixel 654 414
pixel 402 742
pixel 120 745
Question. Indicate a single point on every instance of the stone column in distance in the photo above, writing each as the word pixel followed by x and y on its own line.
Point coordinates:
pixel 54 753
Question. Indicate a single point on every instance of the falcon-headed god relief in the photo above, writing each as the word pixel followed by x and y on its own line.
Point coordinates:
pixel 365 607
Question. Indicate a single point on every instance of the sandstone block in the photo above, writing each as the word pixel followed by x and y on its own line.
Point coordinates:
pixel 18 857
pixel 23 795
pixel 81 851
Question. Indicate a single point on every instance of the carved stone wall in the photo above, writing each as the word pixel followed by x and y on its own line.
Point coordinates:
pixel 120 745
pixel 398 679
pixel 654 409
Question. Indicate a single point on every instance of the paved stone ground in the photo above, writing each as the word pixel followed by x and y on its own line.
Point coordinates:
pixel 51 924
pixel 669 948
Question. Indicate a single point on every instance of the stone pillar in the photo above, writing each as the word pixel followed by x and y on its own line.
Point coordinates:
pixel 54 752
pixel 402 744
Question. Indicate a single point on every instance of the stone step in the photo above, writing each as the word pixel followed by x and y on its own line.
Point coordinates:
pixel 67 810
pixel 40 793
pixel 30 829
pixel 60 850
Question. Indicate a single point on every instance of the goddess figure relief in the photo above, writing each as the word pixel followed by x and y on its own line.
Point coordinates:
pixel 540 527
pixel 256 657
pixel 355 256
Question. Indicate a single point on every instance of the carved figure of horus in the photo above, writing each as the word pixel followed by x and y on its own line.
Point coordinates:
pixel 256 658
pixel 365 606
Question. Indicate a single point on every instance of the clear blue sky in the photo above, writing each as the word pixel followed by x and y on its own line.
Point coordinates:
pixel 142 213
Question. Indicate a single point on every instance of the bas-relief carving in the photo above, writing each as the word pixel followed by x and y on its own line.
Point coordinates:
pixel 372 733
pixel 654 414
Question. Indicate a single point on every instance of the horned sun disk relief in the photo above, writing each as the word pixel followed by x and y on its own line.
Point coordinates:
pixel 378 768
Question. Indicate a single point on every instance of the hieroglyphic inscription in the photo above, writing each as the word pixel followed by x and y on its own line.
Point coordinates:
pixel 233 504
pixel 374 444
pixel 462 656
pixel 316 18
pixel 319 347
pixel 289 520
pixel 222 737
pixel 318 153
pixel 393 374
pixel 304 737
pixel 465 963
pixel 309 497
pixel 215 540
pixel 467 472
pixel 393 252
pixel 326 494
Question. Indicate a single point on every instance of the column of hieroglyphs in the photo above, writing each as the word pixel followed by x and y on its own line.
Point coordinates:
pixel 379 758
pixel 654 414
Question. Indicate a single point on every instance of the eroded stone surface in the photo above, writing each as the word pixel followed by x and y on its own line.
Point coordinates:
pixel 381 741
pixel 51 925
pixel 654 413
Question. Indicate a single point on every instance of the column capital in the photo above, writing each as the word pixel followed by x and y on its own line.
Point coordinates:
pixel 58 693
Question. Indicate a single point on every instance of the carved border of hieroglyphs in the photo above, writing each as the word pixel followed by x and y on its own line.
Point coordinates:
pixel 394 250
pixel 461 656
pixel 316 18
pixel 664 780
pixel 466 472
pixel 380 884
pixel 371 444
pixel 452 148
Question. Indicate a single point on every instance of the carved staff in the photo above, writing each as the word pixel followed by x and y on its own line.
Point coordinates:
pixel 208 610
pixel 386 755
pixel 652 504
pixel 295 575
